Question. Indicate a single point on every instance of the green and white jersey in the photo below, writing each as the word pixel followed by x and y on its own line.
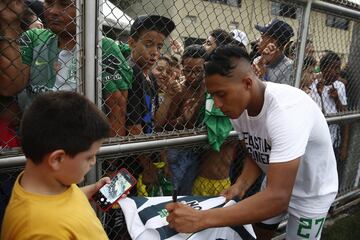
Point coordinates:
pixel 54 69
pixel 146 219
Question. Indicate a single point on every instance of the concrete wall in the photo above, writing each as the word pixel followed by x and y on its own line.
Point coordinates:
pixel 325 37
pixel 213 15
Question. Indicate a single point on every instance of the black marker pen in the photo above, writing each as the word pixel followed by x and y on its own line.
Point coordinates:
pixel 174 195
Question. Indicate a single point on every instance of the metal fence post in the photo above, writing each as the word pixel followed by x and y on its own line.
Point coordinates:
pixel 304 34
pixel 90 39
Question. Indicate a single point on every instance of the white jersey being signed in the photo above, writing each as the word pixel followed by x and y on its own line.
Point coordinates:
pixel 146 219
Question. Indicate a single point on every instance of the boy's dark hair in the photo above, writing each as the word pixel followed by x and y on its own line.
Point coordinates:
pixel 291 47
pixel 166 58
pixel 174 61
pixel 221 59
pixel 309 62
pixel 309 41
pixel 61 120
pixel 194 51
pixel 222 37
pixel 158 23
pixel 37 7
pixel 328 59
pixel 27 19
pixel 345 72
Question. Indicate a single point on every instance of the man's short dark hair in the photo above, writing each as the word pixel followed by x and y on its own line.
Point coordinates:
pixel 221 60
pixel 222 37
pixel 194 51
pixel 158 23
pixel 309 61
pixel 328 59
pixel 61 120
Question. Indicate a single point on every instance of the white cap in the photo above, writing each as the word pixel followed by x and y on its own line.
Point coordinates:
pixel 240 36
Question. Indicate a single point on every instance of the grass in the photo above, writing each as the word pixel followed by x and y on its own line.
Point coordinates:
pixel 344 229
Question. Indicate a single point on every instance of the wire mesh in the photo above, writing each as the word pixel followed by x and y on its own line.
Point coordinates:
pixel 159 172
pixel 151 85
pixel 333 85
pixel 43 58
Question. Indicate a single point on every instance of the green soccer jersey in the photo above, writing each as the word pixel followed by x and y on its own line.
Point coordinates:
pixel 51 67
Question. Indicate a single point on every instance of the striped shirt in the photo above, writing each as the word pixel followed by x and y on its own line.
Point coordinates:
pixel 146 219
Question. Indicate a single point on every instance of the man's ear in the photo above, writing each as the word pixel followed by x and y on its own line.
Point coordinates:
pixel 131 42
pixel 247 81
pixel 55 159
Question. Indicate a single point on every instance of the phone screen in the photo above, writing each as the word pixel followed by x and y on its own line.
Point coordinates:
pixel 112 191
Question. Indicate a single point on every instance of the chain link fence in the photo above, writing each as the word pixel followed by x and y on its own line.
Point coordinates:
pixel 335 53
pixel 152 87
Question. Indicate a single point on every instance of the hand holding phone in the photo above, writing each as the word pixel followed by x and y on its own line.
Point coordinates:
pixel 110 193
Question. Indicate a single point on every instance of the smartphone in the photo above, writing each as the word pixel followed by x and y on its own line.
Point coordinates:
pixel 121 183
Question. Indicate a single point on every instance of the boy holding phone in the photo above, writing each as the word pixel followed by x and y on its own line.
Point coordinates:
pixel 61 134
pixel 119 186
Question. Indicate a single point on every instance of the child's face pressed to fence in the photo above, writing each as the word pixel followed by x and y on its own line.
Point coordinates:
pixel 193 70
pixel 146 49
pixel 210 44
pixel 162 70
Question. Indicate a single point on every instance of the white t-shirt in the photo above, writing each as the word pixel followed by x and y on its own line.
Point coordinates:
pixel 291 125
pixel 146 219
pixel 65 79
pixel 327 104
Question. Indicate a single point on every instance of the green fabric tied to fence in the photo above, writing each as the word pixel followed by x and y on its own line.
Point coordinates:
pixel 217 123
pixel 163 186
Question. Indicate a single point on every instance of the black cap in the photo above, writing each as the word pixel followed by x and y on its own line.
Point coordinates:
pixel 152 22
pixel 277 29
pixel 37 7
